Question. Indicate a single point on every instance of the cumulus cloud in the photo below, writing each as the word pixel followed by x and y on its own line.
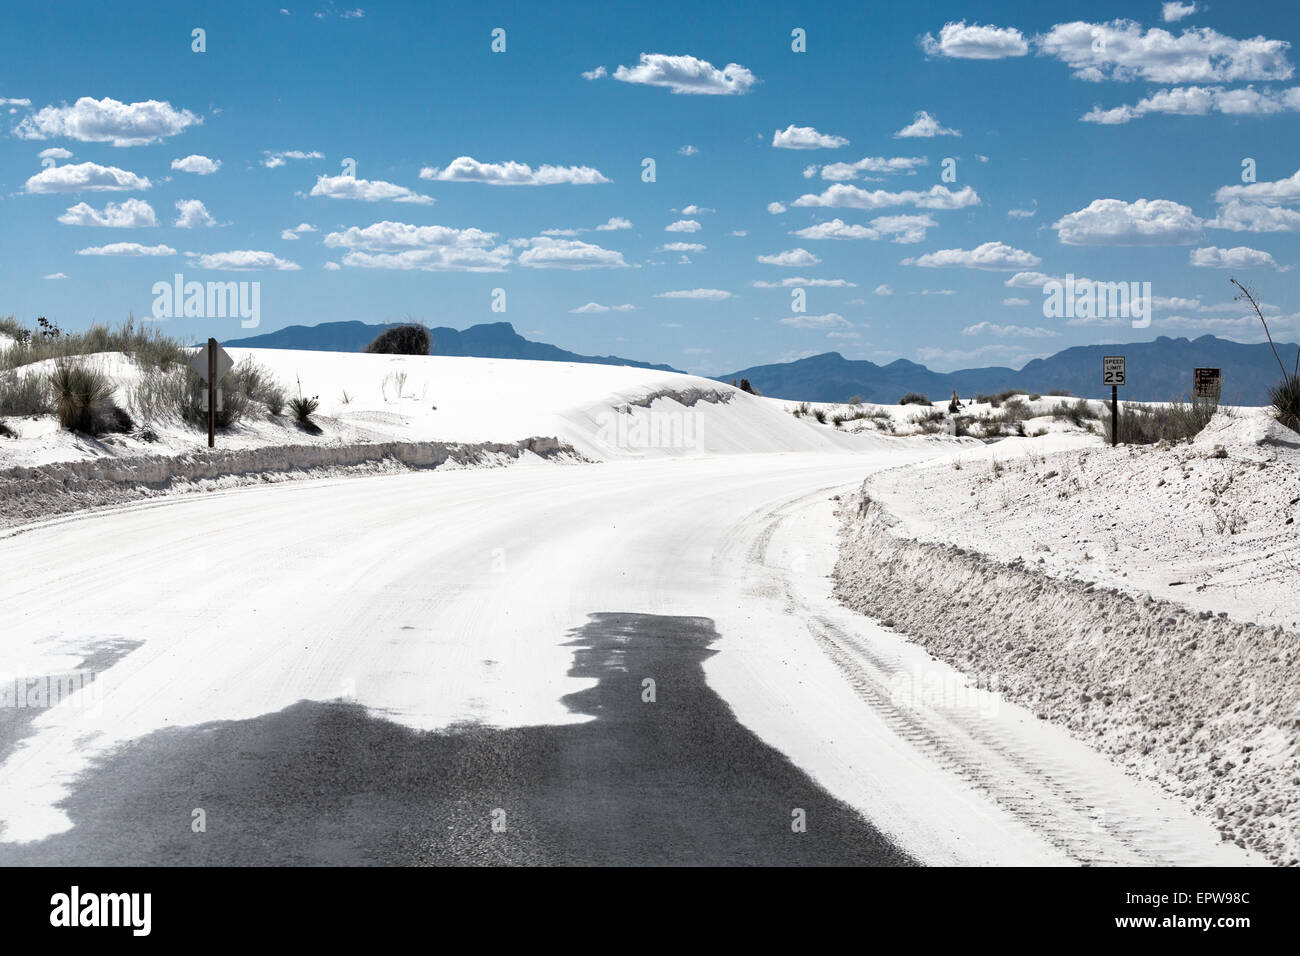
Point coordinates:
pixel 544 252
pixel 276 160
pixel 1238 257
pixel 1121 50
pixel 199 165
pixel 794 282
pixel 1175 11
pixel 55 152
pixel 366 190
pixel 402 246
pixel 1255 217
pixel 1200 100
pixel 805 137
pixel 831 320
pixel 129 214
pixel 842 195
pixel 776 208
pixel 1280 192
pixel 688 150
pixel 842 172
pixel 1113 222
pixel 684 247
pixel 127 249
pixel 790 257
pixel 992 256
pixel 902 229
pixel 467 169
pixel 597 307
pixel 595 74
pixel 191 213
pixel 687 74
pixel 241 260
pixel 709 295
pixel 683 225
pixel 975 42
pixel 924 126
pixel 107 121
pixel 1002 331
pixel 85 177
pixel 883 289
pixel 296 231
pixel 614 223
pixel 1024 213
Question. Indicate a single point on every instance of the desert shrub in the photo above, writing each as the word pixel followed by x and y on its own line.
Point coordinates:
pixel 83 399
pixel 802 409
pixel 1075 412
pixel 855 400
pixel 1285 399
pixel 820 415
pixel 147 346
pixel 254 382
pixel 410 338
pixel 178 392
pixel 14 329
pixel 996 399
pixel 914 398
pixel 1176 422
pixel 746 387
pixel 1061 393
pixel 1016 410
pixel 303 409
pixel 24 394
pixel 6 431
pixel 1035 397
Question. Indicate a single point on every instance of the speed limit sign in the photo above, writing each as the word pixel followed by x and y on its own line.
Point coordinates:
pixel 1112 370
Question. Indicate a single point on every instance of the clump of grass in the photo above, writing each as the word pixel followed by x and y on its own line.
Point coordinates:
pixel 410 338
pixel 1176 422
pixel 1076 412
pixel 1061 393
pixel 1285 399
pixel 83 399
pixel 1034 397
pixel 997 398
pixel 24 393
pixel 802 409
pixel 304 408
pixel 147 346
pixel 820 415
pixel 914 398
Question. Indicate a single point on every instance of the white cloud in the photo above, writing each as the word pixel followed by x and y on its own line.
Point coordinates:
pixel 688 150
pixel 366 190
pixel 684 247
pixel 687 74
pixel 1113 222
pixel 1200 100
pixel 55 152
pixel 85 177
pixel 331 267
pixel 994 256
pixel 924 126
pixel 1024 213
pixel 739 233
pixel 794 282
pixel 199 165
pixel 597 307
pixel 1280 192
pixel 805 137
pixel 544 252
pixel 595 74
pixel 191 213
pixel 1013 301
pixel 845 196
pixel 241 260
pixel 276 160
pixel 843 172
pixel 1239 257
pixel 614 223
pixel 14 102
pixel 55 275
pixel 883 289
pixel 904 229
pixel 683 225
pixel 129 214
pixel 107 121
pixel 790 257
pixel 467 169
pixel 976 42
pixel 710 295
pixel 296 231
pixel 1121 50
pixel 1028 280
pixel 1175 11
pixel 831 320
pixel 1255 217
pixel 694 210
pixel 402 246
pixel 127 249
pixel 1002 331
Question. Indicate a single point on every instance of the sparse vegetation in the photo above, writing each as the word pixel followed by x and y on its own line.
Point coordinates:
pixel 409 338
pixel 148 346
pixel 1061 393
pixel 1076 413
pixel 802 409
pixel 820 415
pixel 1285 395
pixel 744 386
pixel 24 393
pixel 1178 421
pixel 83 399
pixel 914 398
pixel 304 408
pixel 997 399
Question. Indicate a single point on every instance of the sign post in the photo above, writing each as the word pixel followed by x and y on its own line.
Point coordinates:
pixel 1113 374
pixel 211 363
pixel 1207 382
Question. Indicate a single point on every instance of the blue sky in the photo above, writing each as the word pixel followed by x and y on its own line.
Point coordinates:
pixel 1103 140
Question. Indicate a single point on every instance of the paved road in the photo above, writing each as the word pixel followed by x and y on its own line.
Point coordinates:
pixel 451 667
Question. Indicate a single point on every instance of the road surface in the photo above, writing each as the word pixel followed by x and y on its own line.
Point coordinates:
pixel 630 662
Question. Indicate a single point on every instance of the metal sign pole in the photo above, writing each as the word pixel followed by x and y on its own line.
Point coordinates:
pixel 1114 415
pixel 212 393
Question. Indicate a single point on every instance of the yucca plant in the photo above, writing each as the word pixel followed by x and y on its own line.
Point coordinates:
pixel 83 397
pixel 1284 396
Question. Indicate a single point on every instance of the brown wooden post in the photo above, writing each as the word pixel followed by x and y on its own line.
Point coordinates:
pixel 212 393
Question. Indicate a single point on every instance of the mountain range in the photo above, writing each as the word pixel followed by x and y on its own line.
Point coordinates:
pixel 1157 371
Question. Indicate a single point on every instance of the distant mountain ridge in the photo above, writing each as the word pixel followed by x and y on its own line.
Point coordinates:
pixel 488 340
pixel 1156 371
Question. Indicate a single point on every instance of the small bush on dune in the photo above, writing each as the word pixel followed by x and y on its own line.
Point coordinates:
pixel 998 398
pixel 1016 410
pixel 1285 399
pixel 1176 422
pixel 820 415
pixel 1076 413
pixel 147 346
pixel 408 339
pixel 24 394
pixel 83 400
pixel 1061 393
pixel 914 398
